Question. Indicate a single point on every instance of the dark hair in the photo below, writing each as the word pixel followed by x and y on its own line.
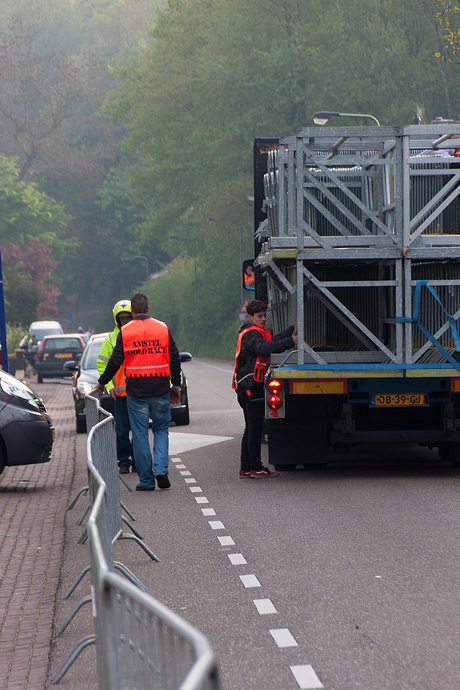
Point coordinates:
pixel 139 303
pixel 255 306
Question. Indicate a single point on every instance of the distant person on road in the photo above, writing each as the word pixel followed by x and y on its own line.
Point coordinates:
pixel 249 277
pixel 152 364
pixel 255 344
pixel 117 388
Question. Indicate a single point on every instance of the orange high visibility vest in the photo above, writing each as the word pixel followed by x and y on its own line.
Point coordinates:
pixel 119 381
pixel 146 348
pixel 261 364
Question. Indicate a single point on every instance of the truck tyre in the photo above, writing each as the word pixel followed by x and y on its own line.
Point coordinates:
pixel 39 378
pixel 450 452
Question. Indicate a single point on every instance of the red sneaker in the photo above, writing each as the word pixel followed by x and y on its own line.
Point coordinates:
pixel 263 472
pixel 245 473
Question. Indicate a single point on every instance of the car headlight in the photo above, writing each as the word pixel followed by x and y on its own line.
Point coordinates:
pixel 84 387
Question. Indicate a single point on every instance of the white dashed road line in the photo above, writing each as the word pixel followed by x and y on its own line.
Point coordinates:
pixel 264 606
pixel 304 674
pixel 250 581
pixel 306 677
pixel 283 637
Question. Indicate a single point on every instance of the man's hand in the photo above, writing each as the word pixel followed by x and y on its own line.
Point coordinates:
pixel 100 388
pixel 113 393
pixel 294 336
pixel 174 394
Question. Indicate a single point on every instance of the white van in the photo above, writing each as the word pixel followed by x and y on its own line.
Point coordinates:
pixel 41 328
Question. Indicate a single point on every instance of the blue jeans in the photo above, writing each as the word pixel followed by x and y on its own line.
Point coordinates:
pixel 140 411
pixel 122 427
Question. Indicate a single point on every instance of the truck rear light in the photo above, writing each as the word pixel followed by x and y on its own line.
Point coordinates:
pixel 274 402
pixel 41 348
pixel 274 387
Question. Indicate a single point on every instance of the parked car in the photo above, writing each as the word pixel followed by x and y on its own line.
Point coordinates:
pixel 86 375
pixel 26 429
pixel 37 331
pixel 54 351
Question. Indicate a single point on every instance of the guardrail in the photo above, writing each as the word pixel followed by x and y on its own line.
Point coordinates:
pixel 140 643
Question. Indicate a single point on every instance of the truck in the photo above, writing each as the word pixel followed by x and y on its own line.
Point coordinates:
pixel 357 242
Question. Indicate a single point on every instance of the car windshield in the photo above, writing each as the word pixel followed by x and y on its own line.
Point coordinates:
pixel 91 354
pixel 40 333
pixel 63 344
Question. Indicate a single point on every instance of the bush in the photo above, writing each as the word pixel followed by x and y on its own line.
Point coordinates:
pixel 14 335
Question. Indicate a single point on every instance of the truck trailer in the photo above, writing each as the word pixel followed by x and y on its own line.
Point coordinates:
pixel 357 242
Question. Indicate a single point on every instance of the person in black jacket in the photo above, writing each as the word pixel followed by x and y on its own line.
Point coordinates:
pixel 255 344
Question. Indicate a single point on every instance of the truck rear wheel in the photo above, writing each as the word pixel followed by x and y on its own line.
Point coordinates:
pixel 450 452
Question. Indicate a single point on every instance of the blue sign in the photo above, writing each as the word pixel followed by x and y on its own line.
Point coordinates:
pixel 68 317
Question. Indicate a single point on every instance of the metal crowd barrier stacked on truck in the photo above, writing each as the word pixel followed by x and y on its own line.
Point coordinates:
pixel 360 248
pixel 356 217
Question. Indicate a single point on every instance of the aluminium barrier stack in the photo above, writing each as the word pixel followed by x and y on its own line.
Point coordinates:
pixel 365 223
pixel 106 462
pixel 140 643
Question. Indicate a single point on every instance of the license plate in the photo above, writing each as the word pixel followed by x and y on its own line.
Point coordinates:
pixel 398 400
pixel 63 355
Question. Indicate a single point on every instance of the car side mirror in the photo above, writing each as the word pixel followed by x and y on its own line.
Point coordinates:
pixel 70 366
pixel 185 357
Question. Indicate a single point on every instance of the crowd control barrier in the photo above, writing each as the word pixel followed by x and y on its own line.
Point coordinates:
pixel 140 643
pixel 105 461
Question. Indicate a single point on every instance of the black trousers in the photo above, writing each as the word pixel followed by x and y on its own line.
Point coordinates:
pixel 253 410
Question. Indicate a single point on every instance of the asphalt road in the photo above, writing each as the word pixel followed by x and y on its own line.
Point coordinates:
pixel 341 578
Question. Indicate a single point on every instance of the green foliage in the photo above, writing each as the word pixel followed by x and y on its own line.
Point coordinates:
pixel 21 297
pixel 14 334
pixel 26 212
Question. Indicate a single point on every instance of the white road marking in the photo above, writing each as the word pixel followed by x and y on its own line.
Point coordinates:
pixel 210 366
pixel 283 637
pixel 304 674
pixel 180 442
pixel 306 677
pixel 264 606
pixel 185 473
pixel 250 581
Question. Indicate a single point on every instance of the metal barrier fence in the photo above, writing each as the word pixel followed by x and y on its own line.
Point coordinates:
pixel 140 643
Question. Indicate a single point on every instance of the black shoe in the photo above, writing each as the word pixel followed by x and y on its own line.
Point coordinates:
pixel 145 488
pixel 124 469
pixel 163 481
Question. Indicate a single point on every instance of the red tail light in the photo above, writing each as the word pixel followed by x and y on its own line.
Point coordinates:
pixel 41 348
pixel 274 402
pixel 274 387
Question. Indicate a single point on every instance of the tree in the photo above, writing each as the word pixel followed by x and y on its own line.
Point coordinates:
pixel 31 265
pixel 26 212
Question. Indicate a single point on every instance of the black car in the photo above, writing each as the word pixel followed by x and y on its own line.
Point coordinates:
pixel 86 375
pixel 55 351
pixel 26 429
